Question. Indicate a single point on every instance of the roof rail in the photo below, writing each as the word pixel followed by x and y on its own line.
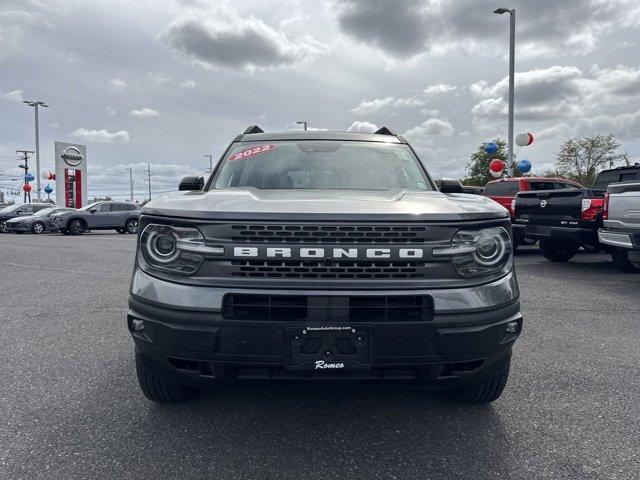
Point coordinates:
pixel 253 129
pixel 385 131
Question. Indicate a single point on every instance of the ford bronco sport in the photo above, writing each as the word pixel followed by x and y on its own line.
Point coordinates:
pixel 322 255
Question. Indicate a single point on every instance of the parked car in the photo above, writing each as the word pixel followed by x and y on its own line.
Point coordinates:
pixel 318 255
pixel 567 218
pixel 504 192
pixel 119 216
pixel 621 231
pixel 19 210
pixel 37 223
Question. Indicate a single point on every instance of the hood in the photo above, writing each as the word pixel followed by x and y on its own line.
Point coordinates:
pixel 17 220
pixel 252 203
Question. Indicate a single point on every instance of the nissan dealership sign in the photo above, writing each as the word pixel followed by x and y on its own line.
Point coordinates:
pixel 71 174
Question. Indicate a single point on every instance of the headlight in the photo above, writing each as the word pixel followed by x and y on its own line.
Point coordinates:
pixel 175 249
pixel 478 252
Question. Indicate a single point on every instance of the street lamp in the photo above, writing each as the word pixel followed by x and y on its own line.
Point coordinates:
pixel 303 123
pixel 512 54
pixel 36 104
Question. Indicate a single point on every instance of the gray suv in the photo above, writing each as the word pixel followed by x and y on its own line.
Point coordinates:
pixel 119 216
pixel 19 210
pixel 323 255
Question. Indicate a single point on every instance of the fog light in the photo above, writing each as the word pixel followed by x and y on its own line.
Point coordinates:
pixel 137 325
pixel 513 327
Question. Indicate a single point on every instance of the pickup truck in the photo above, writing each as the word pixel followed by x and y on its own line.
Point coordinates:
pixel 564 220
pixel 315 255
pixel 621 231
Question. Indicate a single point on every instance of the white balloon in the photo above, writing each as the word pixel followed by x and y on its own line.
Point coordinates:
pixel 522 139
pixel 44 175
pixel 495 174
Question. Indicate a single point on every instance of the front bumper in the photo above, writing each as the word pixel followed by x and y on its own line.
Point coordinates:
pixel 465 339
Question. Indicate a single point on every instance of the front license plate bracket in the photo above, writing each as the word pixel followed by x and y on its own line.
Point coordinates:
pixel 328 348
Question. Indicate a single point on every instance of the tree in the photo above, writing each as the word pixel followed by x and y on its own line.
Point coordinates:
pixel 478 168
pixel 581 159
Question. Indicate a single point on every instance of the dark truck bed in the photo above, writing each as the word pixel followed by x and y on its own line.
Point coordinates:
pixel 565 220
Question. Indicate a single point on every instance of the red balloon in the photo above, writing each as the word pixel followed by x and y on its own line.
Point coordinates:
pixel 530 139
pixel 26 187
pixel 496 165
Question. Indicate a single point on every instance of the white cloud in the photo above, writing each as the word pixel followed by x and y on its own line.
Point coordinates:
pixel 188 84
pixel 422 135
pixel 110 111
pixel 160 77
pixel 101 136
pixel 362 127
pixel 368 107
pixel 557 130
pixel 438 88
pixel 118 84
pixel 144 113
pixel 14 95
pixel 626 125
pixel 214 35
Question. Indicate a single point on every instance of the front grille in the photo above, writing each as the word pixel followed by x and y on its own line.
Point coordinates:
pixel 338 234
pixel 382 308
pixel 331 270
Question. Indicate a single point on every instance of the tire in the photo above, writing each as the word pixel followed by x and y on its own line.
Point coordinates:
pixel 157 388
pixel 620 257
pixel 131 226
pixel 515 243
pixel 3 227
pixel 76 227
pixel 485 391
pixel 121 230
pixel 558 251
pixel 38 228
pixel 64 231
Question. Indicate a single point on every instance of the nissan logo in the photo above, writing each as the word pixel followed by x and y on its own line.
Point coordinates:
pixel 72 156
pixel 543 203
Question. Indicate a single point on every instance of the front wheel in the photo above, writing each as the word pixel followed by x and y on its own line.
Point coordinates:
pixel 157 388
pixel 76 227
pixel 485 391
pixel 3 227
pixel 37 228
pixel 131 226
pixel 558 251
pixel 621 260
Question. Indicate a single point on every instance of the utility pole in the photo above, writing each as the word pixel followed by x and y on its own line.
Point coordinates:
pixel 131 182
pixel 149 179
pixel 512 55
pixel 36 104
pixel 25 167
pixel 210 162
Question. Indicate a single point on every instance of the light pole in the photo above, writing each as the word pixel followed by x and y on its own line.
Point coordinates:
pixel 512 54
pixel 303 122
pixel 36 104
pixel 131 183
pixel 210 157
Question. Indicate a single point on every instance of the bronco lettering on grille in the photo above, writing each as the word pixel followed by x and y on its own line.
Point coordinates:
pixel 320 252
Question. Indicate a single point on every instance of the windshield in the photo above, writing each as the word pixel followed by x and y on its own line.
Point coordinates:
pixel 47 211
pixel 88 207
pixel 10 208
pixel 323 164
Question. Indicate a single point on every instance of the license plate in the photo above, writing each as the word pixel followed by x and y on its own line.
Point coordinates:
pixel 538 230
pixel 326 348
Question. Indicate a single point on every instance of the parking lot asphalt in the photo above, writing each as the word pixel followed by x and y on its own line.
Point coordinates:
pixel 70 406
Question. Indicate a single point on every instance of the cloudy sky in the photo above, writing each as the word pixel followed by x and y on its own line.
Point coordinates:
pixel 167 81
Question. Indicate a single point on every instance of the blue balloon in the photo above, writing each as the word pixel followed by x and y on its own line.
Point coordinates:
pixel 490 148
pixel 29 177
pixel 48 189
pixel 523 166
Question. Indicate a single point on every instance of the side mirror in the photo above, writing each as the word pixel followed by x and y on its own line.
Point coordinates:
pixel 191 184
pixel 18 212
pixel 450 185
pixel 93 210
